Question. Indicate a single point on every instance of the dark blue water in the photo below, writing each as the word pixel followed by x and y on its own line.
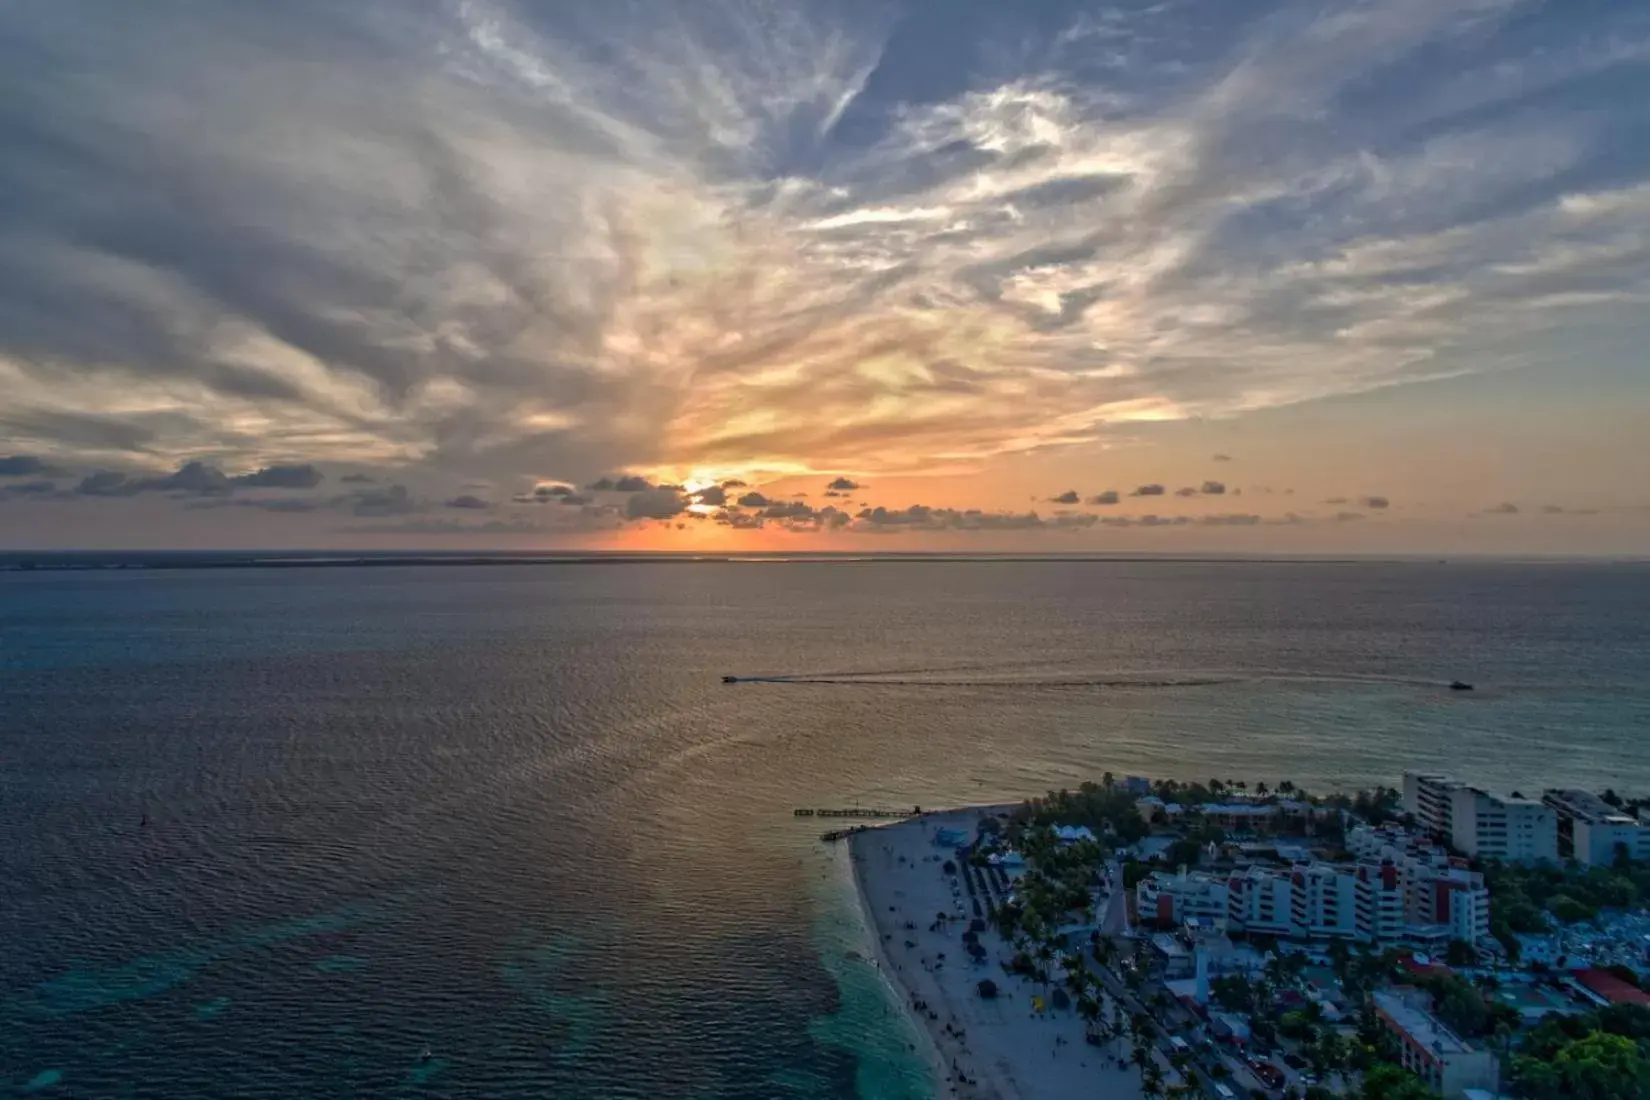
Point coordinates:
pixel 512 816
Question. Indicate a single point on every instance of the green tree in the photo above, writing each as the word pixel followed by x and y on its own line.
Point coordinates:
pixel 1389 1082
pixel 1460 953
pixel 1598 1066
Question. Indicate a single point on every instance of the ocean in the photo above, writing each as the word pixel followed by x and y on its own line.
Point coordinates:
pixel 445 830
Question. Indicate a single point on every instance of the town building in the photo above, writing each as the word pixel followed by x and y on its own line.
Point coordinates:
pixel 1442 898
pixel 1172 899
pixel 1428 797
pixel 1593 832
pixel 1443 1060
pixel 1366 902
pixel 1480 824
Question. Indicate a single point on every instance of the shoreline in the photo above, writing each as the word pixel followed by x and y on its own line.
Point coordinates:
pixel 878 957
pixel 979 1049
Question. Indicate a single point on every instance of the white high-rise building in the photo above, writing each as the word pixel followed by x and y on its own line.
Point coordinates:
pixel 1483 825
pixel 1513 830
pixel 1591 831
pixel 1427 797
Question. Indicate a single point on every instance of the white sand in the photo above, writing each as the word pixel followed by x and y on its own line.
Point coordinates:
pixel 1006 1051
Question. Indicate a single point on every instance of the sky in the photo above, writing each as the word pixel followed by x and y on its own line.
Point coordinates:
pixel 1361 276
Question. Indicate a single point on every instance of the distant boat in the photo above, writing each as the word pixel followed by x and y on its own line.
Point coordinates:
pixel 1458 685
pixel 730 679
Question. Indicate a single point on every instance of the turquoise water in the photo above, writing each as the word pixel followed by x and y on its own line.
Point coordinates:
pixel 279 833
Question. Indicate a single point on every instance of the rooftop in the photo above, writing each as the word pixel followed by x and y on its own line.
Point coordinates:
pixel 1422 1027
pixel 1612 988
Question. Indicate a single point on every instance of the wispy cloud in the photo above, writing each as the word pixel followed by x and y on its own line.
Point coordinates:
pixel 781 242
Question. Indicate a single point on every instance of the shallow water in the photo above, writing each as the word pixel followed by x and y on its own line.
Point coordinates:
pixel 513 817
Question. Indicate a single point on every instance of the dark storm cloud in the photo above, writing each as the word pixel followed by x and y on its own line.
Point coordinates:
pixel 654 504
pixel 468 501
pixel 1106 498
pixel 302 476
pixel 1214 488
pixel 1148 491
pixel 1070 496
pixel 27 466
pixel 788 509
pixel 1375 503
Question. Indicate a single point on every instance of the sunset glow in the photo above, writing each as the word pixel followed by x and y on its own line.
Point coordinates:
pixel 394 276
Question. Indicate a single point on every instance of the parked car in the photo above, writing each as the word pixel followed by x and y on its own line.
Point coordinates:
pixel 1270 1076
pixel 1294 1061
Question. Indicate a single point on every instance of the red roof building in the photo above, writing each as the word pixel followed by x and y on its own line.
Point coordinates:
pixel 1612 988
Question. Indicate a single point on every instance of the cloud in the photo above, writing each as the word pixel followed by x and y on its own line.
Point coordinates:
pixel 1376 503
pixel 753 500
pixel 785 242
pixel 1331 500
pixel 29 488
pixel 302 476
pixel 1148 491
pixel 281 505
pixel 1108 497
pixel 1188 491
pixel 393 500
pixel 791 509
pixel 491 528
pixel 655 504
pixel 1222 458
pixel 843 485
pixel 358 479
pixel 1505 508
pixel 1070 496
pixel 631 483
pixel 601 485
pixel 1231 519
pixel 27 466
pixel 715 495
pixel 469 502
pixel 1348 517
pixel 1214 488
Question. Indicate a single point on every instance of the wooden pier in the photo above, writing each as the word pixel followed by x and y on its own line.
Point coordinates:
pixel 857 811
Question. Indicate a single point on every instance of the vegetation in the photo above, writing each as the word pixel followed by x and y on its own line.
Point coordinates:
pixel 1390 1082
pixel 1599 1056
pixel 1104 808
pixel 1529 899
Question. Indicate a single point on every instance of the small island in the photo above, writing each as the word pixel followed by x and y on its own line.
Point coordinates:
pixel 1137 938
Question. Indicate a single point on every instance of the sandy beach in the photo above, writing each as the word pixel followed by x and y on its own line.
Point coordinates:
pixel 981 1049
